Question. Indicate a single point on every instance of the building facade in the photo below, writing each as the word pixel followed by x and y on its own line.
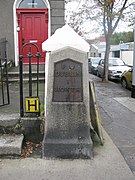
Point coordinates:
pixel 23 21
pixel 123 51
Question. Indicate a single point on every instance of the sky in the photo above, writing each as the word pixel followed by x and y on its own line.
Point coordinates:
pixel 73 7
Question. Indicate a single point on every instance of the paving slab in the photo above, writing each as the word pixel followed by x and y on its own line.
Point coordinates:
pixel 10 144
pixel 128 102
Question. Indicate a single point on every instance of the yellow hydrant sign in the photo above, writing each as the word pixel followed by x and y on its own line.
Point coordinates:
pixel 32 104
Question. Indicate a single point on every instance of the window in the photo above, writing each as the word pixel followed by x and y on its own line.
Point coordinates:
pixel 32 4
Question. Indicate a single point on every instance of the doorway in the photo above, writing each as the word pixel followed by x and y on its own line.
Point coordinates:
pixel 31 24
pixel 32 28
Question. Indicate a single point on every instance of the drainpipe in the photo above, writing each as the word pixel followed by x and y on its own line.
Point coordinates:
pixel 133 75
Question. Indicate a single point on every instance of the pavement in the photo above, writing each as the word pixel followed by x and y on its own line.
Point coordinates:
pixel 107 164
pixel 116 109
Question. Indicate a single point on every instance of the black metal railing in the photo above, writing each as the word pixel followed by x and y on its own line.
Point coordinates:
pixel 31 94
pixel 4 85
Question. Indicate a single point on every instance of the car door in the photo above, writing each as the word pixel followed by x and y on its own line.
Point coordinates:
pixel 101 68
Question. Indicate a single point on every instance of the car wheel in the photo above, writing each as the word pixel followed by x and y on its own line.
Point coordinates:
pixel 124 83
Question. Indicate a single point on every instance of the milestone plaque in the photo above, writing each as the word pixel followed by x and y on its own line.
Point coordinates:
pixel 67 85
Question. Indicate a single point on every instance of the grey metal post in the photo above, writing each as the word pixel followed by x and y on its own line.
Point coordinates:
pixel 133 75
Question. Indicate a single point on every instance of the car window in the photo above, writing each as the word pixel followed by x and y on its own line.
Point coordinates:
pixel 116 62
pixel 95 61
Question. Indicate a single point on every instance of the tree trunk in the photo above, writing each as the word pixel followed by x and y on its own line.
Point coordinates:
pixel 106 59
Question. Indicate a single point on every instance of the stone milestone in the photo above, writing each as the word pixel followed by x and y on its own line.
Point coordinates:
pixel 67 121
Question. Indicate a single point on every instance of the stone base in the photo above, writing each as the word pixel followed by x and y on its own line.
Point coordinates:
pixel 67 149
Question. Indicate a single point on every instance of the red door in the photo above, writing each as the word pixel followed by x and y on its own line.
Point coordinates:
pixel 33 28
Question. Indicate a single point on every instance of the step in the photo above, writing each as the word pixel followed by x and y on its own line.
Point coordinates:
pixel 9 120
pixel 41 79
pixel 14 76
pixel 34 73
pixel 26 68
pixel 11 145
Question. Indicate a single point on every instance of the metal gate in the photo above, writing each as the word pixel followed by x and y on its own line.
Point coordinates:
pixel 4 85
pixel 29 103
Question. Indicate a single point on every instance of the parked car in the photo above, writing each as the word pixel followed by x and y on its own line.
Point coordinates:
pixel 115 69
pixel 93 63
pixel 126 79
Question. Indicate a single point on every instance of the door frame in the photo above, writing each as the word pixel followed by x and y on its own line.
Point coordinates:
pixel 16 28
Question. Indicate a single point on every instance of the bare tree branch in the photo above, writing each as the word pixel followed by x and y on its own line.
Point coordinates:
pixel 109 12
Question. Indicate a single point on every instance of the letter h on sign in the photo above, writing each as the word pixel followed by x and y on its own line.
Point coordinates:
pixel 32 104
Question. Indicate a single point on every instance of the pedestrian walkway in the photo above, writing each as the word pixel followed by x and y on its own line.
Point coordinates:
pixel 107 164
pixel 116 109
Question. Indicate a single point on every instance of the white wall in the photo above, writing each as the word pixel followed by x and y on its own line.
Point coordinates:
pixel 127 57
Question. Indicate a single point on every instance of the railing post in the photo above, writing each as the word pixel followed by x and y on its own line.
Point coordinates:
pixel 5 100
pixel 30 73
pixel 8 98
pixel 21 85
pixel 38 56
pixel 2 84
